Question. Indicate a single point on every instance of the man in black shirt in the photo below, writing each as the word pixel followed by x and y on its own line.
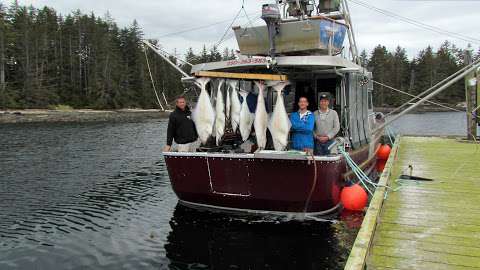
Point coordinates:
pixel 181 128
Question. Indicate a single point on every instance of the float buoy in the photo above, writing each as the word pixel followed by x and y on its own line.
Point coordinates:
pixel 381 165
pixel 384 152
pixel 354 198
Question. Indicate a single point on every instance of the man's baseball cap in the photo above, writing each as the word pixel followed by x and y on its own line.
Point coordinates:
pixel 324 96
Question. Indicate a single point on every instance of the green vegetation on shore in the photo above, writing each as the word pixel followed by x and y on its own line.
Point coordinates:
pixel 80 60
pixel 86 61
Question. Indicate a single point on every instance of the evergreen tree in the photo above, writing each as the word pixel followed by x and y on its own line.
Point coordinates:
pixel 400 75
pixel 425 70
pixel 204 57
pixel 380 65
pixel 446 65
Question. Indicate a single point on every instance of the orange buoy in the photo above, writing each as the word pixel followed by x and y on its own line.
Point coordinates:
pixel 384 152
pixel 354 198
pixel 381 165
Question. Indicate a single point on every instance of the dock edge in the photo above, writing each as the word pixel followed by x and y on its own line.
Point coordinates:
pixel 359 253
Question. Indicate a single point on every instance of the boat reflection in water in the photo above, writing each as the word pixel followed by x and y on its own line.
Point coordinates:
pixel 208 240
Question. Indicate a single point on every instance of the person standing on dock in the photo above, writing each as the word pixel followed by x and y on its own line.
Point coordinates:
pixel 327 126
pixel 181 128
pixel 303 124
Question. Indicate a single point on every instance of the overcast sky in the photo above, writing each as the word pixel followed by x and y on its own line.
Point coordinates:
pixel 161 17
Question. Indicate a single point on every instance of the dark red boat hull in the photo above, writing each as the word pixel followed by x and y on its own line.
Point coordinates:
pixel 251 183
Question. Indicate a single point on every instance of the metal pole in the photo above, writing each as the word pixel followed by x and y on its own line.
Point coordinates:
pixel 470 99
pixel 431 88
pixel 185 75
pixel 351 29
pixel 415 97
pixel 477 110
pixel 350 38
pixel 431 95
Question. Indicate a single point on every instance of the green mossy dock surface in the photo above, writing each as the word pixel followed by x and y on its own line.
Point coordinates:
pixel 427 225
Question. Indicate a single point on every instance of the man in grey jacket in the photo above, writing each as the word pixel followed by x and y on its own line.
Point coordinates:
pixel 327 126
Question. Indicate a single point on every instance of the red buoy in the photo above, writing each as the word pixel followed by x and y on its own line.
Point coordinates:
pixel 381 165
pixel 384 152
pixel 354 198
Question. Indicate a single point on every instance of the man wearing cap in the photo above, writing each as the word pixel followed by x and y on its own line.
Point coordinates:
pixel 327 126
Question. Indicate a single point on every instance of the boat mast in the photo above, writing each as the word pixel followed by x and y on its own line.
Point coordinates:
pixel 351 33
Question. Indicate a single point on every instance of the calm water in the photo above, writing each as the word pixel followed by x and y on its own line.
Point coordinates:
pixel 435 124
pixel 90 196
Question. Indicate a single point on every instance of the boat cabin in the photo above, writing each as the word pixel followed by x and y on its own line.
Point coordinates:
pixel 348 85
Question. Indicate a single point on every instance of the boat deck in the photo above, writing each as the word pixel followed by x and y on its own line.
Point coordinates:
pixel 424 225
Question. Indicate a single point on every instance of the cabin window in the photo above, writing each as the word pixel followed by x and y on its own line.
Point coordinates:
pixel 312 89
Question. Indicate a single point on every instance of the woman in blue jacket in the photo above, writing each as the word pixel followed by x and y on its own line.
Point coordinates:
pixel 303 123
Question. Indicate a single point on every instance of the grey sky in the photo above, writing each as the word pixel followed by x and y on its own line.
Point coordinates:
pixel 160 17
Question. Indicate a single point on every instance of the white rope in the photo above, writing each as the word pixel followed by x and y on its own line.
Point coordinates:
pixel 415 97
pixel 151 78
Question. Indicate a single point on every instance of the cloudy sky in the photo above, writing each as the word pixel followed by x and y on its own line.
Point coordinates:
pixel 163 20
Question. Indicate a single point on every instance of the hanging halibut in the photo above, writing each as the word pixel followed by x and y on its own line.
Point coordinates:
pixel 246 118
pixel 228 105
pixel 261 117
pixel 220 114
pixel 236 106
pixel 204 115
pixel 279 125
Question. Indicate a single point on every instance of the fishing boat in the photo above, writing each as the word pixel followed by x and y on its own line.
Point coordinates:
pixel 304 45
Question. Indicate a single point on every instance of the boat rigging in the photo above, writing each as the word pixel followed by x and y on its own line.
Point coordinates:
pixel 244 163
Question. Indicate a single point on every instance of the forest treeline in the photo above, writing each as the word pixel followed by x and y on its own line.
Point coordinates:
pixel 414 76
pixel 87 61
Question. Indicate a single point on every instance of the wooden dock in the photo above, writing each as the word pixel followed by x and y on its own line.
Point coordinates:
pixel 424 225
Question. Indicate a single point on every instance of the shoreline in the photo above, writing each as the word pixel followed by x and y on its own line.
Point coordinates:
pixel 78 116
pixel 122 115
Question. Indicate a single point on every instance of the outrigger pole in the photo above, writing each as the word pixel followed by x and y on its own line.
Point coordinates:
pixel 161 54
pixel 471 68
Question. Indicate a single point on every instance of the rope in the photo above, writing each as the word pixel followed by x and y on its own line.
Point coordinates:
pixel 417 23
pixel 361 176
pixel 415 97
pixel 200 27
pixel 433 88
pixel 231 35
pixel 153 81
pixel 231 24
pixel 314 185
pixel 391 135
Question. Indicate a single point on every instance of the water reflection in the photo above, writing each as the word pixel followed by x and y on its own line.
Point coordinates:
pixel 97 196
pixel 204 240
pixel 91 210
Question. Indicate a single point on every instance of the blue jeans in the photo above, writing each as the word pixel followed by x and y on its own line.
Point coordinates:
pixel 321 149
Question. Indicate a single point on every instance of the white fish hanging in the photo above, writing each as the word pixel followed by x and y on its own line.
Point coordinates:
pixel 279 125
pixel 246 118
pixel 220 114
pixel 261 117
pixel 203 114
pixel 236 106
pixel 228 105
